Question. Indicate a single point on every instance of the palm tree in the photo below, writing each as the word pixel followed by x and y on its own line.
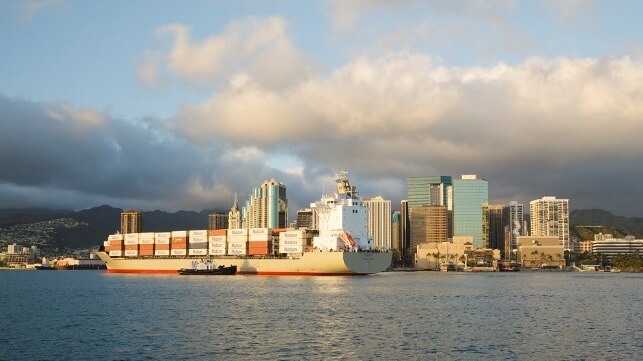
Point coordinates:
pixel 534 253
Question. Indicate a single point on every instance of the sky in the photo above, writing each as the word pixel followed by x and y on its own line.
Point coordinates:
pixel 172 105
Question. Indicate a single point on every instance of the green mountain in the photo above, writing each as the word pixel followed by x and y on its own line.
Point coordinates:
pixel 585 223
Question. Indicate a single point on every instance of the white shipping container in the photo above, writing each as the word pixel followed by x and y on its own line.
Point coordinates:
pixel 258 231
pixel 131 236
pixel 146 241
pixel 218 238
pixel 237 239
pixel 291 249
pixel 260 237
pixel 162 241
pixel 198 239
pixel 218 244
pixel 115 237
pixel 292 234
pixel 238 232
pixel 198 252
pixel 179 234
pixel 106 243
pixel 217 251
pixel 161 252
pixel 238 252
pixel 179 252
pixel 130 241
pixel 237 245
pixel 131 252
pixel 292 241
pixel 146 235
pixel 199 233
pixel 118 253
pixel 162 235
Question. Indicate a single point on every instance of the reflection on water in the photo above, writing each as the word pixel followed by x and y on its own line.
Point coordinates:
pixel 424 315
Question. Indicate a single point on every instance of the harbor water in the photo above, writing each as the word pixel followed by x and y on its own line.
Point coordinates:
pixel 72 315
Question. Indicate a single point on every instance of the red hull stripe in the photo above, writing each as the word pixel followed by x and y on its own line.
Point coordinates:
pixel 265 273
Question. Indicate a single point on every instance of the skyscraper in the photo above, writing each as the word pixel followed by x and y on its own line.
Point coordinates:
pixel 550 217
pixel 267 206
pixel 470 203
pixel 429 225
pixel 131 222
pixel 396 230
pixel 217 221
pixel 427 191
pixel 496 228
pixel 379 222
pixel 513 218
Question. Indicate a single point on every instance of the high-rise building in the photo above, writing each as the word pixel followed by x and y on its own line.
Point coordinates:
pixel 307 218
pixel 234 216
pixel 405 232
pixel 267 206
pixel 429 225
pixel 379 222
pixel 217 221
pixel 470 203
pixel 131 222
pixel 427 191
pixel 396 230
pixel 513 219
pixel 550 217
pixel 496 228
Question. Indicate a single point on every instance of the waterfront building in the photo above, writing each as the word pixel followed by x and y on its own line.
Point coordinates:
pixel 550 217
pixel 267 206
pixel 540 252
pixel 405 231
pixel 429 255
pixel 429 224
pixel 611 247
pixel 131 222
pixel 583 246
pixel 470 203
pixel 496 228
pixel 218 221
pixel 513 219
pixel 379 222
pixel 395 230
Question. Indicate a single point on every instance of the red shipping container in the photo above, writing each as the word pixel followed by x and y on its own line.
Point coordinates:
pixel 258 251
pixel 146 250
pixel 163 247
pixel 131 247
pixel 217 232
pixel 178 240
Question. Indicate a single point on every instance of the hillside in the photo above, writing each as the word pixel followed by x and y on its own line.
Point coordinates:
pixel 53 231
pixel 617 225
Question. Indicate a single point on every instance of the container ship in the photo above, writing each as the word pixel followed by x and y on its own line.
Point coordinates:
pixel 339 245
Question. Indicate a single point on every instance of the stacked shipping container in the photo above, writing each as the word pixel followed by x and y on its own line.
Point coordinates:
pixel 131 244
pixel 198 243
pixel 294 241
pixel 146 244
pixel 259 241
pixel 179 243
pixel 162 243
pixel 115 245
pixel 238 242
pixel 217 240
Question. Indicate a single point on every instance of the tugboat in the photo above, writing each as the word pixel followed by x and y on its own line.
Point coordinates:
pixel 208 268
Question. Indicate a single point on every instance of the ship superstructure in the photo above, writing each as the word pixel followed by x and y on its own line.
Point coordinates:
pixel 342 219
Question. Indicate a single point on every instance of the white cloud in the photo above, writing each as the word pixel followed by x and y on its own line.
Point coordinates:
pixel 260 47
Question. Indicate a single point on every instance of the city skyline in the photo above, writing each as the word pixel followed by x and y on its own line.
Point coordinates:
pixel 182 107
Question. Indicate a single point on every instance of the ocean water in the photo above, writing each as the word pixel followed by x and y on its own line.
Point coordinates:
pixel 77 315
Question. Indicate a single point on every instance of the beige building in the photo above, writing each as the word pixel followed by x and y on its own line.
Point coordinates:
pixel 379 222
pixel 429 255
pixel 540 251
pixel 550 217
pixel 131 222
pixel 583 246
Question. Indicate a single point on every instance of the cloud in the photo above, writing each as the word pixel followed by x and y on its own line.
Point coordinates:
pixel 258 46
pixel 402 114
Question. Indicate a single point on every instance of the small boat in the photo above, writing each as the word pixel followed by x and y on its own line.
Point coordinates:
pixel 45 267
pixel 221 270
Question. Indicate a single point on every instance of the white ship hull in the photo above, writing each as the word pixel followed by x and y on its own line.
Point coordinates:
pixel 309 263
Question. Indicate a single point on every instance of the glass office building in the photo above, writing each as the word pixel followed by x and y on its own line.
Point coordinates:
pixel 470 203
pixel 427 191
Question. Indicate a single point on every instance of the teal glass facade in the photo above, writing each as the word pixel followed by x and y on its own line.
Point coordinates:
pixel 427 191
pixel 470 203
